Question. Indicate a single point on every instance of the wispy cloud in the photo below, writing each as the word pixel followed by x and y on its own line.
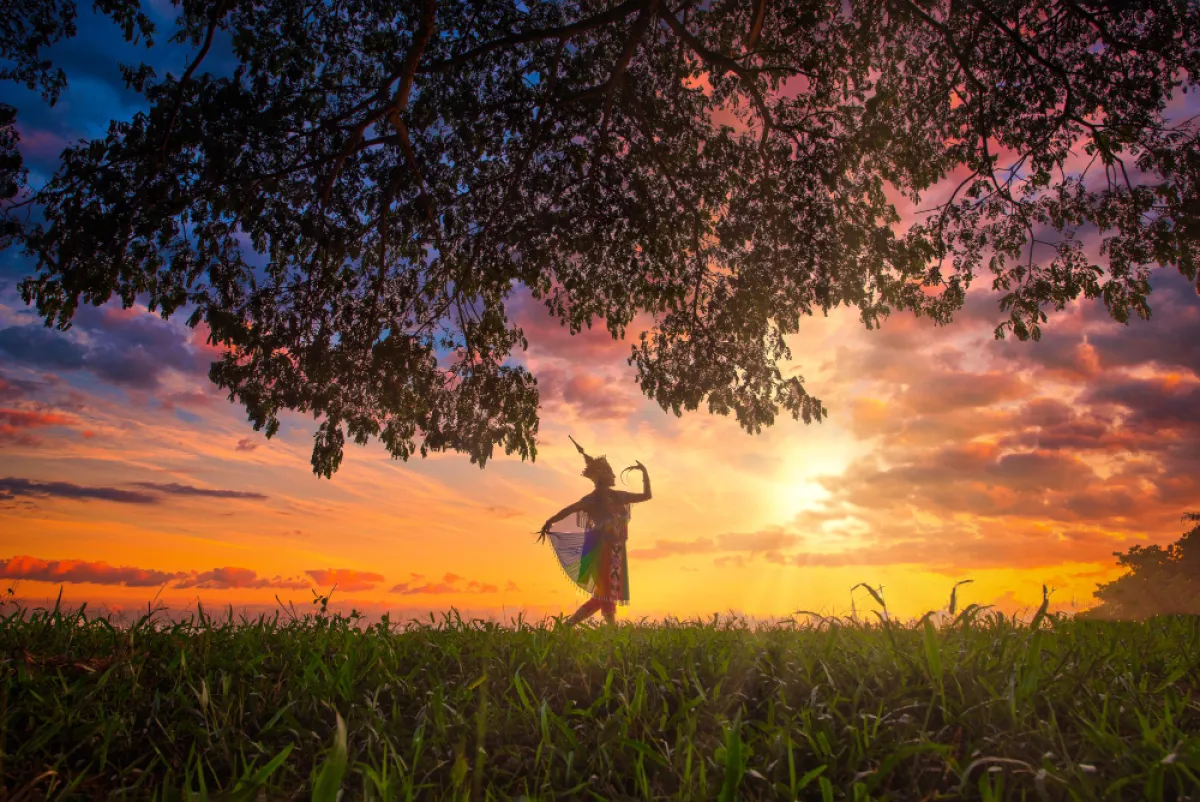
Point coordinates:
pixel 450 584
pixel 12 487
pixel 176 489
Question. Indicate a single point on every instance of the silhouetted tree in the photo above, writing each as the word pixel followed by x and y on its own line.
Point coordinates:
pixel 12 171
pixel 1161 581
pixel 352 207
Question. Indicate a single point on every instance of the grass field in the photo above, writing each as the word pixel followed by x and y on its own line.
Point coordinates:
pixel 984 708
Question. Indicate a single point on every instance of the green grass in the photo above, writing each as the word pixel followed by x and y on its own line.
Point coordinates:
pixel 986 708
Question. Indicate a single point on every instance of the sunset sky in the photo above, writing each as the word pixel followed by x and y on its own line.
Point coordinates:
pixel 947 455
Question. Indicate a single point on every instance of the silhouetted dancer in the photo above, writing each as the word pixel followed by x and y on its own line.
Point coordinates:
pixel 594 558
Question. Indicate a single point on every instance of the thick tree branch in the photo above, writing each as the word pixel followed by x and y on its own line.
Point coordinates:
pixel 756 26
pixel 396 107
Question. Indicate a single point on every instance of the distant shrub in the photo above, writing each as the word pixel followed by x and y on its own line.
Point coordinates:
pixel 1160 581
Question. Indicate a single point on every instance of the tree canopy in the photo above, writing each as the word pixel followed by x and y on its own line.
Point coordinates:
pixel 353 207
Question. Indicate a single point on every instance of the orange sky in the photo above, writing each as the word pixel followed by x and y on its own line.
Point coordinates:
pixel 947 455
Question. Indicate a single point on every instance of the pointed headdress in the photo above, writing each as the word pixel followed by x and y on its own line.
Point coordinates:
pixel 594 464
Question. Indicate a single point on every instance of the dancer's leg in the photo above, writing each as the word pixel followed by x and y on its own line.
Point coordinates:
pixel 610 612
pixel 585 610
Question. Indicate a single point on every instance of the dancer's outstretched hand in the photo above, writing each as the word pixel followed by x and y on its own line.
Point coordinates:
pixel 638 464
pixel 545 530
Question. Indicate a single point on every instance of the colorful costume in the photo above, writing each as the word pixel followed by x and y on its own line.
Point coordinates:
pixel 594 558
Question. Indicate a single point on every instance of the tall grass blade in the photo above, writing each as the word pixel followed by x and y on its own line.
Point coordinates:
pixel 954 594
pixel 329 779
pixel 735 762
pixel 933 657
pixel 247 789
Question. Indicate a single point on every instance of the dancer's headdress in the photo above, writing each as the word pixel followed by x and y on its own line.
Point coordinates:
pixel 595 465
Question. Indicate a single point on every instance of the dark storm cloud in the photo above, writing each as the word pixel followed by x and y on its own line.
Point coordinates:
pixel 13 487
pixel 1152 405
pixel 1171 338
pixel 41 347
pixel 1092 342
pixel 147 492
pixel 12 389
pixel 134 348
pixel 127 348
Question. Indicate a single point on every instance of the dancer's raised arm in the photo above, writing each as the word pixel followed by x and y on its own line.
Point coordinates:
pixel 571 509
pixel 645 495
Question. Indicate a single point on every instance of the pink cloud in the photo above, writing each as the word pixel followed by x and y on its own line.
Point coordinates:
pixel 100 572
pixel 428 589
pixel 451 583
pixel 593 396
pixel 41 145
pixel 238 578
pixel 346 579
pixel 549 338
pixel 32 418
pixel 16 423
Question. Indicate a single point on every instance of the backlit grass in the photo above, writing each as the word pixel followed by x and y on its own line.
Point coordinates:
pixel 982 708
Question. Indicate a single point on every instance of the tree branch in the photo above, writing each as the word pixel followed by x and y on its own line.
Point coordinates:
pixel 218 10
pixel 615 79
pixel 727 65
pixel 756 26
pixel 562 32
pixel 1019 42
pixel 396 107
pixel 945 33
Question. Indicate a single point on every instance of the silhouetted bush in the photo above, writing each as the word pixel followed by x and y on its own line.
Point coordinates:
pixel 1160 581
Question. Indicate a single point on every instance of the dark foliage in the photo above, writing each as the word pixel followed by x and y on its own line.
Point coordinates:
pixel 1161 581
pixel 12 171
pixel 27 29
pixel 353 207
